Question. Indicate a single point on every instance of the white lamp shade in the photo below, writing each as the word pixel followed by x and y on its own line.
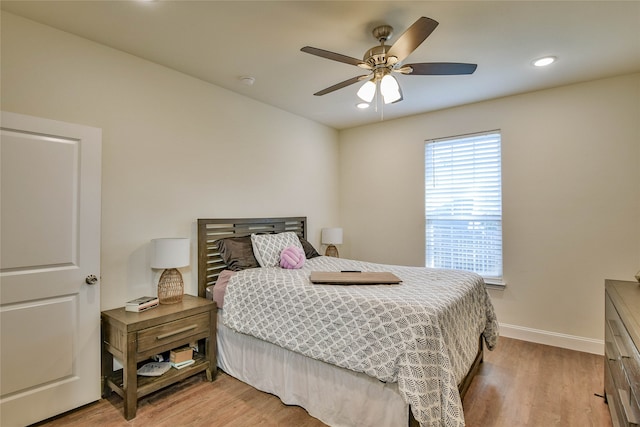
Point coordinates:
pixel 332 236
pixel 390 89
pixel 367 91
pixel 169 253
pixel 392 97
pixel 388 84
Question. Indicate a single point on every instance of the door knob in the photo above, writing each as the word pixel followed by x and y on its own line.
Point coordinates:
pixel 91 279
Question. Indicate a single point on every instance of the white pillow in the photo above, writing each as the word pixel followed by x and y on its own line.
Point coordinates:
pixel 267 247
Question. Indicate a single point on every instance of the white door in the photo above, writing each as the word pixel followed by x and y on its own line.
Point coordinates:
pixel 50 175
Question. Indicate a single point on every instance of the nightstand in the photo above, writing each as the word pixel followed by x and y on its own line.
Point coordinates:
pixel 133 338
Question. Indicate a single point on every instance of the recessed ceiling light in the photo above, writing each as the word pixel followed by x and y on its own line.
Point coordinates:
pixel 362 105
pixel 543 62
pixel 247 80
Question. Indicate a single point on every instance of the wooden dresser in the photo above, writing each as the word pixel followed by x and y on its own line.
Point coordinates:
pixel 622 359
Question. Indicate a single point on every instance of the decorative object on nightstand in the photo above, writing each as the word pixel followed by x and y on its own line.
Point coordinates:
pixel 331 237
pixel 170 254
pixel 638 276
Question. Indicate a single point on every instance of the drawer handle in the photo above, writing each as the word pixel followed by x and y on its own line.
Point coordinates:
pixel 611 353
pixel 176 332
pixel 621 347
pixel 626 407
pixel 617 337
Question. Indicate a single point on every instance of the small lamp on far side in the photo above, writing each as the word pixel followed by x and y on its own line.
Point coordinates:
pixel 170 254
pixel 332 237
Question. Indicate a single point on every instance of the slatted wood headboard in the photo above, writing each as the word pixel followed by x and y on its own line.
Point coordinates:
pixel 210 263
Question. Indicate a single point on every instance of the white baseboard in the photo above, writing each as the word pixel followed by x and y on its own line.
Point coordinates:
pixel 572 342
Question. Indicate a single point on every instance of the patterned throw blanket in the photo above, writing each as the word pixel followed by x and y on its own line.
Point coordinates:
pixel 422 334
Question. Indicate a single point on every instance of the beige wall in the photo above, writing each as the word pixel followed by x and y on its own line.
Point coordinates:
pixel 571 196
pixel 174 148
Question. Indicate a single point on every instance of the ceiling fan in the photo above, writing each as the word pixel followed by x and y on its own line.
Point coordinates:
pixel 383 60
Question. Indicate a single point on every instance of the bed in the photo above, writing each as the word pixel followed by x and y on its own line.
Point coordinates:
pixel 384 355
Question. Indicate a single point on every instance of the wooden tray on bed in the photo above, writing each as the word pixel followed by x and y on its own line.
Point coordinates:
pixel 354 278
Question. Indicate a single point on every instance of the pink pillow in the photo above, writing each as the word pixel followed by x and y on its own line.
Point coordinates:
pixel 221 286
pixel 292 257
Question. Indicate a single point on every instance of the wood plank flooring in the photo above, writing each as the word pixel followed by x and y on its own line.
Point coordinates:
pixel 527 384
pixel 519 384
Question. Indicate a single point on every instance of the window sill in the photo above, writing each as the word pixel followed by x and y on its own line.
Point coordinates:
pixel 495 285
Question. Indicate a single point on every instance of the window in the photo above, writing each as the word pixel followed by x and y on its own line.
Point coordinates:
pixel 463 204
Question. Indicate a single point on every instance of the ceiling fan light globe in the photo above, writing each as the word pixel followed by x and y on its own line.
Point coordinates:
pixel 392 97
pixel 389 84
pixel 390 89
pixel 367 91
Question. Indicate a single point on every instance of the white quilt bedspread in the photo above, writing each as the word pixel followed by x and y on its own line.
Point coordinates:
pixel 422 334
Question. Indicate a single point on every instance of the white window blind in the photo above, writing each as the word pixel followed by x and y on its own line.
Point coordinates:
pixel 463 204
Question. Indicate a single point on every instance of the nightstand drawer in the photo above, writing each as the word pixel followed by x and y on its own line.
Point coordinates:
pixel 176 331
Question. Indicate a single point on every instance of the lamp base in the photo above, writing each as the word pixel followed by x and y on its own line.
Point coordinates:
pixel 332 251
pixel 170 287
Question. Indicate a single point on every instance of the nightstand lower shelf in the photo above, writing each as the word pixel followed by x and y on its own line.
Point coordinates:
pixel 147 385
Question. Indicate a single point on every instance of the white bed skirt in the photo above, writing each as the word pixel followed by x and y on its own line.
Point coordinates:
pixel 336 396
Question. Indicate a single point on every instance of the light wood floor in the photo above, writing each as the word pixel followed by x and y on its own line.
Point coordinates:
pixel 519 384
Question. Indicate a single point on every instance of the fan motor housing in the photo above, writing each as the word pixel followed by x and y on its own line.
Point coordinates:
pixel 377 55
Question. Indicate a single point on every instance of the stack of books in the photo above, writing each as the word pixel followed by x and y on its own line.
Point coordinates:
pixel 141 304
pixel 181 357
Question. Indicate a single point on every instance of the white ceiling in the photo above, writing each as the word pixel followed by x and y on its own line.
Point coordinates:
pixel 220 41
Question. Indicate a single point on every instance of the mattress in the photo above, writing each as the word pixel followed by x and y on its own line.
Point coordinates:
pixel 420 335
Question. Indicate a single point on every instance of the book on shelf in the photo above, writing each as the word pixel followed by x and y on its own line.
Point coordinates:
pixel 183 364
pixel 142 304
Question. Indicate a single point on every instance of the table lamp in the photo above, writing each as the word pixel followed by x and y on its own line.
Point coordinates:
pixel 170 254
pixel 331 237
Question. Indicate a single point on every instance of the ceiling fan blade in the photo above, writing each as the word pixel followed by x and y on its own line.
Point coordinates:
pixel 341 85
pixel 335 56
pixel 412 38
pixel 440 68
